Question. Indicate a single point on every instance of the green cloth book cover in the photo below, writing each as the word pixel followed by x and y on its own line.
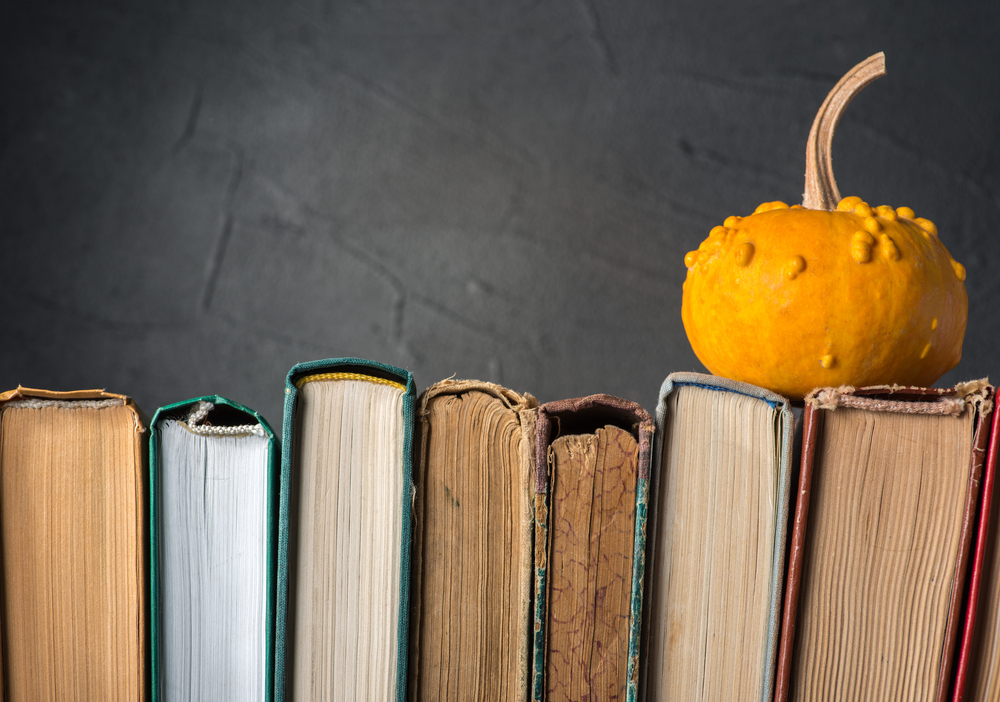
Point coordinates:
pixel 317 539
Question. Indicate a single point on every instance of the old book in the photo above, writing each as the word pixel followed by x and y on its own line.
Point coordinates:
pixel 978 674
pixel 592 471
pixel 72 529
pixel 213 479
pixel 472 544
pixel 887 500
pixel 344 532
pixel 718 533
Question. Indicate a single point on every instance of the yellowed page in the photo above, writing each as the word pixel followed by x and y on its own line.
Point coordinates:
pixel 714 548
pixel 473 538
pixel 70 491
pixel 888 498
pixel 349 461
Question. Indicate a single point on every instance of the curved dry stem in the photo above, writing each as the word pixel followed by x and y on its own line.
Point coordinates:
pixel 821 188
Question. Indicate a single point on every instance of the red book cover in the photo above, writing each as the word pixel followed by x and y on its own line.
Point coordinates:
pixel 981 561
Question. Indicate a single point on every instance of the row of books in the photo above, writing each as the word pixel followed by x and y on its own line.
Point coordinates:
pixel 470 544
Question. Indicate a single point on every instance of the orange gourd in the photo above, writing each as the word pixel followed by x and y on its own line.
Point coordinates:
pixel 833 292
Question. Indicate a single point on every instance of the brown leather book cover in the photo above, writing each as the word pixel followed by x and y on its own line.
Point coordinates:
pixel 73 546
pixel 917 453
pixel 592 474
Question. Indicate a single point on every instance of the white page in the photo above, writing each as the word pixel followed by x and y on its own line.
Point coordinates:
pixel 213 565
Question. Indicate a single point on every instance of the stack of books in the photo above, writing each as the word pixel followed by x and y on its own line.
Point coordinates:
pixel 471 544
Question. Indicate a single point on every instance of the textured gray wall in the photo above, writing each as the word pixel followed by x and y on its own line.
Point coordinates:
pixel 196 195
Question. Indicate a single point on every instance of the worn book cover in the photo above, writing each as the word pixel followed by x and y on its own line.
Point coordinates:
pixel 889 492
pixel 592 479
pixel 344 532
pixel 978 666
pixel 214 516
pixel 717 539
pixel 72 535
pixel 472 566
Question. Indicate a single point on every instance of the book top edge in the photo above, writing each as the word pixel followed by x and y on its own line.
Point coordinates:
pixel 515 401
pixel 564 417
pixel 68 396
pixel 172 411
pixel 360 366
pixel 596 401
pixel 364 377
pixel 905 399
pixel 22 393
pixel 714 382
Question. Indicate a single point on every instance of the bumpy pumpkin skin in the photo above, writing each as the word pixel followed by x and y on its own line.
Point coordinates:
pixel 793 299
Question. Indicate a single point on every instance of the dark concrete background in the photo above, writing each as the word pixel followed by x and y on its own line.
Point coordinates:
pixel 196 195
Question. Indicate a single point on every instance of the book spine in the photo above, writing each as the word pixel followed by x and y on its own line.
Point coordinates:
pixel 810 432
pixel 642 496
pixel 284 496
pixel 406 548
pixel 541 590
pixel 154 559
pixel 541 556
pixel 978 558
pixel 638 579
pixel 273 484
pixel 528 419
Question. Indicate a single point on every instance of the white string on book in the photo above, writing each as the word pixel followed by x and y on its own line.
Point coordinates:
pixel 199 413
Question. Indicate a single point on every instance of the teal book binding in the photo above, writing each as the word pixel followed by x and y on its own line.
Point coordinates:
pixel 218 417
pixel 718 533
pixel 302 378
pixel 605 615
